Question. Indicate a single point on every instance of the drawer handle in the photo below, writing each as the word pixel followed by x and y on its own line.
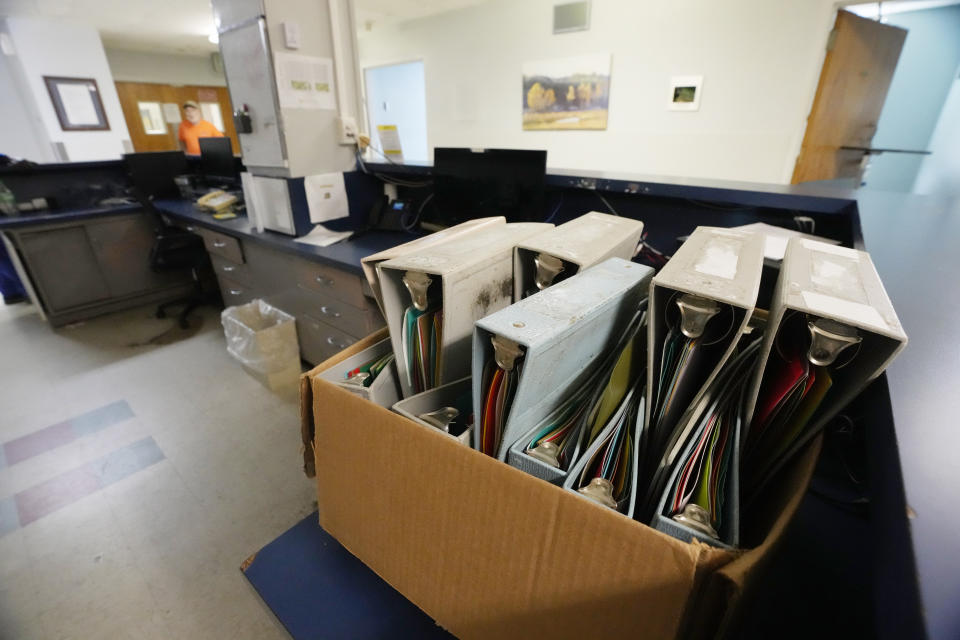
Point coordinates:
pixel 219 244
pixel 229 269
pixel 235 292
pixel 191 228
pixel 339 345
pixel 325 281
pixel 327 312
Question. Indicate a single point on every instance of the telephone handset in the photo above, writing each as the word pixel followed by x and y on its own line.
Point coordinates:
pixel 216 200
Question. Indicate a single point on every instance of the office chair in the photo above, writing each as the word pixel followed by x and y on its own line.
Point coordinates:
pixel 174 250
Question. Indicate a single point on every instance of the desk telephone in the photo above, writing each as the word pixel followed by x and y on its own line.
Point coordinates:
pixel 216 201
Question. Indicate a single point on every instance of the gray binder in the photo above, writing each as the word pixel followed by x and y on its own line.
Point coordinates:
pixel 707 291
pixel 835 296
pixel 561 331
pixel 470 277
pixel 434 401
pixel 730 386
pixel 370 263
pixel 625 505
pixel 383 391
pixel 564 251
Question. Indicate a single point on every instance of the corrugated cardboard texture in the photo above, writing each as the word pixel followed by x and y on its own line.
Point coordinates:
pixel 306 395
pixel 483 548
pixel 489 551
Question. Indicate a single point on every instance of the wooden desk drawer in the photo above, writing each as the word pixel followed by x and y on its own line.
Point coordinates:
pixel 240 273
pixel 343 286
pixel 355 322
pixel 222 245
pixel 318 340
pixel 235 293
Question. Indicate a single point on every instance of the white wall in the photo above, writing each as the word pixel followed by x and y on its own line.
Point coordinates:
pixel 163 68
pixel 760 60
pixel 22 134
pixel 46 48
pixel 940 172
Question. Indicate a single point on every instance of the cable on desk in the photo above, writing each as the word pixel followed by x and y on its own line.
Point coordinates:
pixel 644 249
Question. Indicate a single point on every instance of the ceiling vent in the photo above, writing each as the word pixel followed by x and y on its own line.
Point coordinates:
pixel 571 16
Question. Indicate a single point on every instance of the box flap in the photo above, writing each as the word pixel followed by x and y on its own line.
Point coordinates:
pixel 306 395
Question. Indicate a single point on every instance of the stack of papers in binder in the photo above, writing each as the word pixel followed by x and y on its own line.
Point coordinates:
pixel 530 357
pixel 370 374
pixel 433 296
pixel 701 303
pixel 832 330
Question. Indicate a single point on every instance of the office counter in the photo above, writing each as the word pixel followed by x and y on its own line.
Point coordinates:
pixel 911 240
pixel 344 255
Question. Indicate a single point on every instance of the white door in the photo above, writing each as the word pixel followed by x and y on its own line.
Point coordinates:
pixel 396 95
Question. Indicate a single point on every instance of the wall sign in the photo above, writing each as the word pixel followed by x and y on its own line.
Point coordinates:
pixel 77 103
pixel 685 93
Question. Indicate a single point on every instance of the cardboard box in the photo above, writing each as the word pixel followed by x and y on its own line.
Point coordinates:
pixel 491 552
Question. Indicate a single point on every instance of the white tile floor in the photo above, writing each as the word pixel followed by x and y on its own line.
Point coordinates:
pixel 157 554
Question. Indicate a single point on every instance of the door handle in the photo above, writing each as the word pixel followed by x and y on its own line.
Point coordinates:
pixel 327 312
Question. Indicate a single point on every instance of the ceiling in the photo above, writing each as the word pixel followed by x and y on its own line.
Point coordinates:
pixel 182 26
pixel 371 12
pixel 889 7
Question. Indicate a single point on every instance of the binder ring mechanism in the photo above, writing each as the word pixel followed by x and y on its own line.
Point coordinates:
pixel 548 268
pixel 828 338
pixel 697 518
pixel 357 379
pixel 505 352
pixel 417 284
pixel 600 490
pixel 441 418
pixel 695 312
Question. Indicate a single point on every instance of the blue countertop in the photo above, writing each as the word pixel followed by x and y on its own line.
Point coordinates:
pixel 63 215
pixel 912 240
pixel 344 255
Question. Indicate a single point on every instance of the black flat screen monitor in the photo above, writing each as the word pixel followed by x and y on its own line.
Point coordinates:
pixel 216 158
pixel 492 182
pixel 152 172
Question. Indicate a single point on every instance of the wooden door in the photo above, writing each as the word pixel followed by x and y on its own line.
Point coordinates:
pixel 162 136
pixel 861 57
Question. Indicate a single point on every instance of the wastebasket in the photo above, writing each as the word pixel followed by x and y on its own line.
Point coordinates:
pixel 264 340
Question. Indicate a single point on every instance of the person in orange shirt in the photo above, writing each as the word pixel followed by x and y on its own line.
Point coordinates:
pixel 194 127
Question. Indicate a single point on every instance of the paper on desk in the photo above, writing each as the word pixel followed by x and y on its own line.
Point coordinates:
pixel 326 197
pixel 323 237
pixel 777 237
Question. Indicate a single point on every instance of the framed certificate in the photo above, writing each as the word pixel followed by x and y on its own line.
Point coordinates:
pixel 77 103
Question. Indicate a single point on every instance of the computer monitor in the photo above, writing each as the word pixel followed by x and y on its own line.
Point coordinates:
pixel 216 158
pixel 152 172
pixel 491 182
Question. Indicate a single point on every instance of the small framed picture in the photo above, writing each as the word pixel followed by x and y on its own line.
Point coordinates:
pixel 77 103
pixel 685 93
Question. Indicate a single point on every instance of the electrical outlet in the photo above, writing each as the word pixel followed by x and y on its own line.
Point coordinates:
pixel 348 129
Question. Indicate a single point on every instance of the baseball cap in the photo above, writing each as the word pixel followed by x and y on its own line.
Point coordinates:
pixel 191 103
